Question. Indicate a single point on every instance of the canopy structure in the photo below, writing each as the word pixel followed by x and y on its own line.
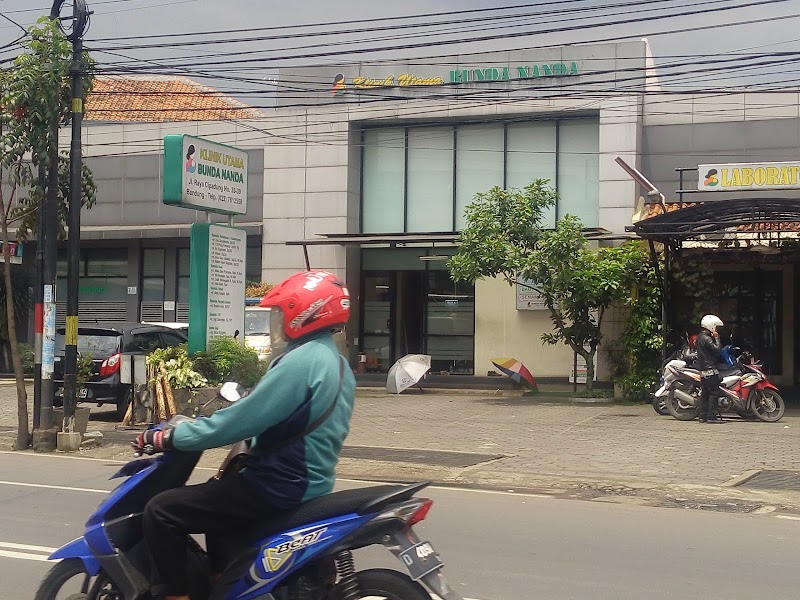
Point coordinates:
pixel 767 217
pixel 759 221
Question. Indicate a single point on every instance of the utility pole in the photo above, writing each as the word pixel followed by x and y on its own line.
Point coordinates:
pixel 69 439
pixel 45 438
pixel 38 299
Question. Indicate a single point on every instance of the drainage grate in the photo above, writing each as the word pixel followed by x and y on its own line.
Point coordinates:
pixel 437 458
pixel 727 507
pixel 773 480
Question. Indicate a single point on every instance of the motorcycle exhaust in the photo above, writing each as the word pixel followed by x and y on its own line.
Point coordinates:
pixel 684 397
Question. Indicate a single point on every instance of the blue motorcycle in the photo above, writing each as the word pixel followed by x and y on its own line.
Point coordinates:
pixel 303 554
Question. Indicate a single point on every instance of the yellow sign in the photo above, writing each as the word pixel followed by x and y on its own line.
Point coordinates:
pixel 403 80
pixel 749 176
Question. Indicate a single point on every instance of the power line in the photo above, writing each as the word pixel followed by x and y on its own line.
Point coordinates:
pixel 368 20
pixel 171 43
pixel 488 38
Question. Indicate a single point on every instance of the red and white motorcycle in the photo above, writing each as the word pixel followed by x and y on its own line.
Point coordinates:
pixel 745 390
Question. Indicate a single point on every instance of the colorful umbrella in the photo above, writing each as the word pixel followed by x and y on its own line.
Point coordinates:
pixel 517 371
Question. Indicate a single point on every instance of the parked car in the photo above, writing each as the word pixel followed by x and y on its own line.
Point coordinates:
pixel 105 344
pixel 182 327
pixel 256 330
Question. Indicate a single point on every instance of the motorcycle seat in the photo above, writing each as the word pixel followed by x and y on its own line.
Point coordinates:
pixel 728 372
pixel 360 501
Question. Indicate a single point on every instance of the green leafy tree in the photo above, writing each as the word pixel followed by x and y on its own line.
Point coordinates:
pixel 505 237
pixel 35 96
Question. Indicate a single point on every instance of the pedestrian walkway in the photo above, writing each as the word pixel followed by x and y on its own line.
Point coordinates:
pixel 506 441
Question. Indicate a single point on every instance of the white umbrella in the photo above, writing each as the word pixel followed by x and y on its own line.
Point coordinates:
pixel 407 371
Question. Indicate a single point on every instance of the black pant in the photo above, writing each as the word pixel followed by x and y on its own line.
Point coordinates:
pixel 216 508
pixel 709 397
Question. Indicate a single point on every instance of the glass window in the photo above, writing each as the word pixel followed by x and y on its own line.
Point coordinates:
pixel 172 338
pixel 153 262
pixel 256 321
pixel 383 180
pixel 100 344
pixel 183 275
pixel 579 171
pixel 183 262
pixel 430 179
pixel 253 264
pixel 102 262
pixel 144 342
pixel 479 164
pixel 376 336
pixel 152 289
pixel 531 154
pixel 450 323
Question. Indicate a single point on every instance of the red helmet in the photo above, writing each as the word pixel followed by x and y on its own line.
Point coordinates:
pixel 307 302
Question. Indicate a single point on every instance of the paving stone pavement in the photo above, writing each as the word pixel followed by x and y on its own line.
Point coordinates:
pixel 539 440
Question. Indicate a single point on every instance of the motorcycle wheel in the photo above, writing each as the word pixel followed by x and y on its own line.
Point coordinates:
pixel 660 405
pixel 385 584
pixel 768 406
pixel 67 580
pixel 678 410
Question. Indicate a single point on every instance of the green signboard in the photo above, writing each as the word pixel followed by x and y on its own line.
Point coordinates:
pixel 216 283
pixel 204 175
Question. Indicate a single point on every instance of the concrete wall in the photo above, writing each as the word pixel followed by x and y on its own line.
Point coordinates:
pixel 127 163
pixel 503 331
pixel 685 131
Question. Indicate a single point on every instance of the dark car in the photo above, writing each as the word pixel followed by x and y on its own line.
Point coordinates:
pixel 105 344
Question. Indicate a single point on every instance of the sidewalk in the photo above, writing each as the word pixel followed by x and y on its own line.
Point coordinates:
pixel 506 441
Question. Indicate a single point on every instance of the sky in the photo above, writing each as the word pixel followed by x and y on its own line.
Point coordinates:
pixel 114 19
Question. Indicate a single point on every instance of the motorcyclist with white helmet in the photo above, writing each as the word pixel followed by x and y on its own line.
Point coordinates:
pixel 708 359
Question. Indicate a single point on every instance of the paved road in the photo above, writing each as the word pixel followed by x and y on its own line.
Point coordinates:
pixel 498 546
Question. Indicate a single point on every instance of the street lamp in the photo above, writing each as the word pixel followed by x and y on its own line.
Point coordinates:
pixel 74 27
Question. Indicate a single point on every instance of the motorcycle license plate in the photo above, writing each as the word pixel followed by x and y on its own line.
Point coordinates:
pixel 83 393
pixel 420 560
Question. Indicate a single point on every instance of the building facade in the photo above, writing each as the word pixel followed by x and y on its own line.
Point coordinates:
pixel 366 169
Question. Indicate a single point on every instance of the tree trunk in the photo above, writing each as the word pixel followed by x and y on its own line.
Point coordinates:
pixel 590 370
pixel 23 433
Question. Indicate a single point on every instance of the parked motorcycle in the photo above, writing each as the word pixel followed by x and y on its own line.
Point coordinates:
pixel 304 553
pixel 685 352
pixel 745 389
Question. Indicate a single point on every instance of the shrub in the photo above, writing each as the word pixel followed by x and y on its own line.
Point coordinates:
pixel 27 357
pixel 180 370
pixel 232 361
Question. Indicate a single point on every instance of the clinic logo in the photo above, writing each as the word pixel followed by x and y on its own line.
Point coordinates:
pixel 711 179
pixel 339 87
pixel 191 166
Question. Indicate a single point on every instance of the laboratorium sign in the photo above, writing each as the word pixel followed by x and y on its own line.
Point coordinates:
pixel 749 176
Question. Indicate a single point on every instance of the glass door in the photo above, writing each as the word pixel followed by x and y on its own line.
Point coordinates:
pixel 377 337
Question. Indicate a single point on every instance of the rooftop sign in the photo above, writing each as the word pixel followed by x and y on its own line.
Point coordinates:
pixel 749 176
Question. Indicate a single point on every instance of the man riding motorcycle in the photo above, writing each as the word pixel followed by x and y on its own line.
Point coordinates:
pixel 708 359
pixel 297 418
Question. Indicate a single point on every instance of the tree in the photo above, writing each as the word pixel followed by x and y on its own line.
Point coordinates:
pixel 35 97
pixel 504 236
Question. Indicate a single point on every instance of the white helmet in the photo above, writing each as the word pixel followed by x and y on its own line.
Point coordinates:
pixel 711 322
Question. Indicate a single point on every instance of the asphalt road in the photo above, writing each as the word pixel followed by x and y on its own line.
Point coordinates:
pixel 497 546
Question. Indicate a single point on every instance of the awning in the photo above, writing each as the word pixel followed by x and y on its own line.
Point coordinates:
pixel 765 216
pixel 418 239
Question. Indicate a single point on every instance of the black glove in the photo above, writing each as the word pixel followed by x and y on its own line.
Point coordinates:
pixel 152 441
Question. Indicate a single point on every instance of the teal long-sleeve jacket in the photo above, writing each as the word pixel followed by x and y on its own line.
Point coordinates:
pixel 296 390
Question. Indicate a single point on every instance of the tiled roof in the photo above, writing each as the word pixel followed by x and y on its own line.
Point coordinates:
pixel 653 210
pixel 156 99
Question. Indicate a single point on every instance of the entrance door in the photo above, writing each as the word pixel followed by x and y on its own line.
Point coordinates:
pixel 410 313
pixel 377 324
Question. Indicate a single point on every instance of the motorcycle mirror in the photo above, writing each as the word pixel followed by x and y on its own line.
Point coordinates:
pixel 231 391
